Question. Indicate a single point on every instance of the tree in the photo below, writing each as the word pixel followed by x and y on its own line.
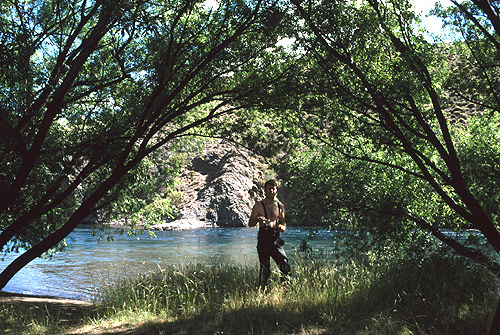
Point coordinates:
pixel 90 89
pixel 379 101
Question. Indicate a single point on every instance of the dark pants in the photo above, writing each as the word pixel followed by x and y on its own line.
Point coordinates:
pixel 266 251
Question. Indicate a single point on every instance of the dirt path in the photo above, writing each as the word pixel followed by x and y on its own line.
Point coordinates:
pixel 17 297
pixel 60 304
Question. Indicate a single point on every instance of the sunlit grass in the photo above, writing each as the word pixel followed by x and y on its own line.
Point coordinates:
pixel 400 296
pixel 405 297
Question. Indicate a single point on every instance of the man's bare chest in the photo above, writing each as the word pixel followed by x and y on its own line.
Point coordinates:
pixel 270 210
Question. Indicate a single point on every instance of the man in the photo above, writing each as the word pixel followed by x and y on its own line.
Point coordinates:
pixel 269 213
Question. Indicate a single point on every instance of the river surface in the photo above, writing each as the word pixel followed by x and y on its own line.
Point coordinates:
pixel 88 265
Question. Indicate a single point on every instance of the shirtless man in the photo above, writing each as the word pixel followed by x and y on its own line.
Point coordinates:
pixel 269 214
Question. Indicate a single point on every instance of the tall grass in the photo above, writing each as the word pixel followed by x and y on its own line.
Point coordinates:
pixel 36 318
pixel 438 295
pixel 435 294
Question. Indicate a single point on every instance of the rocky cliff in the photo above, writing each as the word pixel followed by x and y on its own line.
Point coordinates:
pixel 219 188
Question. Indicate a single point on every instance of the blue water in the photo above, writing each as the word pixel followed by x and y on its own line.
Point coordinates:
pixel 88 265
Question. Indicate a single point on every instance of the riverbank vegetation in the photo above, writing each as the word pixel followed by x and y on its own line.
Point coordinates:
pixel 385 132
pixel 401 131
pixel 399 293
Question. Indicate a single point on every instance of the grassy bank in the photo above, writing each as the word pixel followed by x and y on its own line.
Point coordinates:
pixel 432 296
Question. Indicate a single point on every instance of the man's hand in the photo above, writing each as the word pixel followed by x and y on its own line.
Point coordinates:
pixel 282 227
pixel 261 220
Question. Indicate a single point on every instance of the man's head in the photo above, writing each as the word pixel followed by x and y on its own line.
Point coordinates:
pixel 272 182
pixel 271 188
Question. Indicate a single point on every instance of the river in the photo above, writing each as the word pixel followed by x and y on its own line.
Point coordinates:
pixel 88 265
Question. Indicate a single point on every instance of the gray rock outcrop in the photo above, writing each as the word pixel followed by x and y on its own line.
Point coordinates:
pixel 221 186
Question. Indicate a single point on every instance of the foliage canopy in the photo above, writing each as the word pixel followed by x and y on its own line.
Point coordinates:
pixel 91 89
pixel 397 139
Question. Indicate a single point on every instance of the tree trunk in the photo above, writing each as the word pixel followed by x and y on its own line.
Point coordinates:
pixel 53 239
pixel 40 248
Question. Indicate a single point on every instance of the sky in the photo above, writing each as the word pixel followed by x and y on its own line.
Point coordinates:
pixel 425 5
pixel 432 24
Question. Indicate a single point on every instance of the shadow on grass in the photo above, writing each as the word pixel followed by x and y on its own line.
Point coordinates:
pixel 441 296
pixel 438 296
pixel 315 319
pixel 17 311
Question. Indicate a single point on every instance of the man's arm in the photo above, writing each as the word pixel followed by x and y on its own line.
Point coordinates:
pixel 256 216
pixel 282 225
